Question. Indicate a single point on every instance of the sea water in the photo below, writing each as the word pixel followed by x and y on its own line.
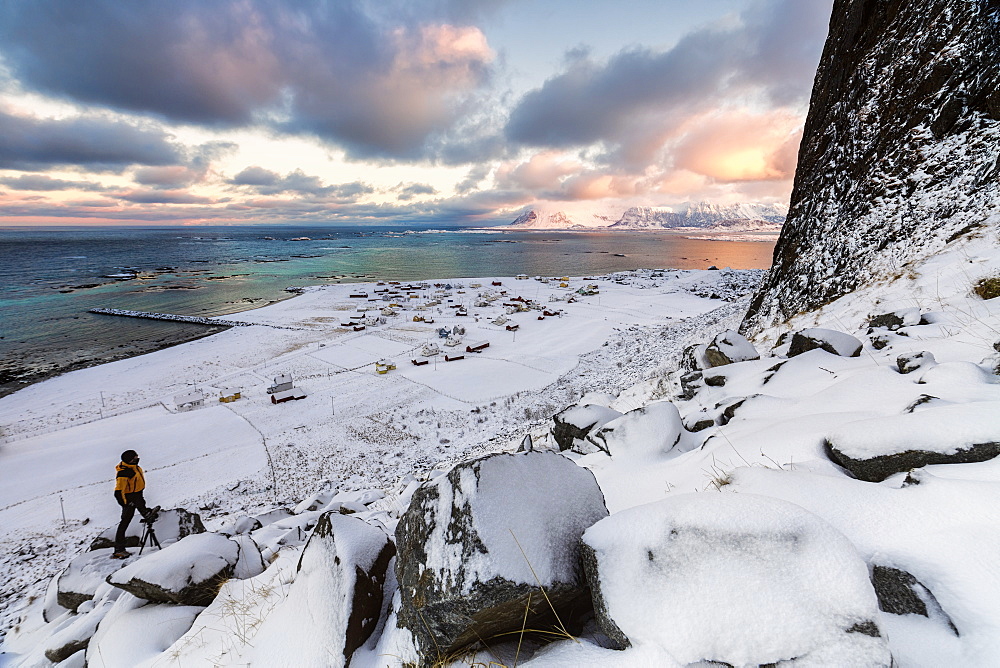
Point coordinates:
pixel 50 278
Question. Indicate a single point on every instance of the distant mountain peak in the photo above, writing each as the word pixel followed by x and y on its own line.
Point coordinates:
pixel 622 217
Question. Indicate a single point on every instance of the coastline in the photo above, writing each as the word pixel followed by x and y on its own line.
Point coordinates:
pixel 14 378
pixel 49 333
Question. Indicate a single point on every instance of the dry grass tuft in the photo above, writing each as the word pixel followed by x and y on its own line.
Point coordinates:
pixel 987 288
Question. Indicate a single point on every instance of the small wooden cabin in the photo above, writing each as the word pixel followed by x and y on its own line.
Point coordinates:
pixel 292 394
pixel 282 383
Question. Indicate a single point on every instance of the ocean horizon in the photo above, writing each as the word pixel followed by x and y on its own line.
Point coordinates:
pixel 51 277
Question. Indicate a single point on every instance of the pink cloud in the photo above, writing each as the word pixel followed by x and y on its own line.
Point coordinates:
pixel 542 171
pixel 735 146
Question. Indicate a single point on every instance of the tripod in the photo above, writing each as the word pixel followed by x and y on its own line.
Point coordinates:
pixel 148 534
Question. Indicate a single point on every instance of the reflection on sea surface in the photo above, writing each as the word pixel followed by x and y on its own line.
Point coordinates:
pixel 49 279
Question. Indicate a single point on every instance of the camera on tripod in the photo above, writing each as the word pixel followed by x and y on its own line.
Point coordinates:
pixel 148 535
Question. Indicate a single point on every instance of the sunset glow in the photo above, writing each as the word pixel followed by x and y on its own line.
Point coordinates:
pixel 416 113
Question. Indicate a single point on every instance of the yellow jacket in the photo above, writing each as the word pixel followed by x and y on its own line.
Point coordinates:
pixel 128 479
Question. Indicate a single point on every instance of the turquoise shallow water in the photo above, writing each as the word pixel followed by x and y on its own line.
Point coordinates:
pixel 50 278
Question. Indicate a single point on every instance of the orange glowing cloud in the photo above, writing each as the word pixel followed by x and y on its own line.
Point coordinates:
pixel 599 186
pixel 543 171
pixel 732 146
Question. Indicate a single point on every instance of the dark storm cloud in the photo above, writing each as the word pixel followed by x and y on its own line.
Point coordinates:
pixel 161 197
pixel 256 175
pixel 99 143
pixel 409 191
pixel 172 176
pixel 266 182
pixel 772 52
pixel 472 179
pixel 339 70
pixel 42 183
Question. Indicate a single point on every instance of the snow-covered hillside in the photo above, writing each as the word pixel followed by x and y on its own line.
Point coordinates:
pixel 880 468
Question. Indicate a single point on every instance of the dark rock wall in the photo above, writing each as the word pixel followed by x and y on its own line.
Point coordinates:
pixel 901 150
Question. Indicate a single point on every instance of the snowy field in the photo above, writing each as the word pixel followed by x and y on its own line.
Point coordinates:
pixel 356 428
pixel 787 548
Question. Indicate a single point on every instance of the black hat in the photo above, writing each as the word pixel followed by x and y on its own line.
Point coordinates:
pixel 129 455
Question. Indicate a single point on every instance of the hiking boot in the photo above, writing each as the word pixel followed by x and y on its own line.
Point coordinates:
pixel 121 554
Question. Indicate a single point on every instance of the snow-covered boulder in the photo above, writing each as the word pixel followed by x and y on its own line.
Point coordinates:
pixel 914 361
pixel 729 348
pixel 334 603
pixel 51 610
pixel 84 575
pixel 876 448
pixel 170 526
pixel 273 516
pixel 250 562
pixel 136 635
pixel 829 340
pixel 188 572
pixel 596 399
pixel 476 545
pixel 733 579
pixel 693 358
pixel 691 383
pixel 899 593
pixel 75 635
pixel 906 317
pixel 574 423
pixel 243 524
pixel 648 432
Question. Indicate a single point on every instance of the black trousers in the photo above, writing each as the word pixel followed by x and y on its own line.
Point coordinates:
pixel 133 502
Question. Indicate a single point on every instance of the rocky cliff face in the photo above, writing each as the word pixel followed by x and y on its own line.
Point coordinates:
pixel 901 150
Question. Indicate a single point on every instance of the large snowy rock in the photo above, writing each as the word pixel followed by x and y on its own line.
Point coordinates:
pixel 170 526
pixel 138 634
pixel 829 340
pixel 733 579
pixel 647 432
pixel 188 572
pixel 76 633
pixel 574 423
pixel 83 576
pixel 476 547
pixel 334 603
pixel 876 448
pixel 729 348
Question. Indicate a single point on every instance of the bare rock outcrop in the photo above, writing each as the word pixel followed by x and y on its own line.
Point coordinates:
pixel 900 154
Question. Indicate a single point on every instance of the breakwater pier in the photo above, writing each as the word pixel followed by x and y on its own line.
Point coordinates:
pixel 197 320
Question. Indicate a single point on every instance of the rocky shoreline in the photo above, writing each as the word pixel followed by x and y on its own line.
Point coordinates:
pixel 16 375
pixel 19 373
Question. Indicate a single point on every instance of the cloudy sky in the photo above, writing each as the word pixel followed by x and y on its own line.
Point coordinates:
pixel 395 111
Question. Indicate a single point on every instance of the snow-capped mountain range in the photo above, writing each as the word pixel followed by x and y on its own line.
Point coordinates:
pixel 742 217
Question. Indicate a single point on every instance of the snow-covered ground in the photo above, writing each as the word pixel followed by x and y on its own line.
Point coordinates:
pixel 796 550
pixel 355 429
